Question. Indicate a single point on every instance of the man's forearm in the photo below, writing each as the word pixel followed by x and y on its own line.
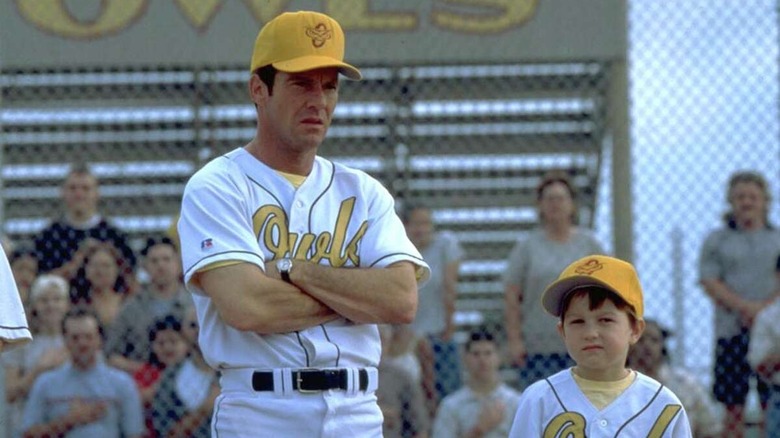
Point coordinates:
pixel 362 295
pixel 248 300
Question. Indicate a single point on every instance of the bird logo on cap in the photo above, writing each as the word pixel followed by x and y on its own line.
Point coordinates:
pixel 319 34
pixel 589 267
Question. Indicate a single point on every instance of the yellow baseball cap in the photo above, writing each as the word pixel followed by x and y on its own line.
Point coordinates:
pixel 300 41
pixel 605 272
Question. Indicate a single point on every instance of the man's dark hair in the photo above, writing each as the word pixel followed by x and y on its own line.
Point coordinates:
pixel 79 168
pixel 411 206
pixel 154 241
pixel 479 335
pixel 80 312
pixel 267 74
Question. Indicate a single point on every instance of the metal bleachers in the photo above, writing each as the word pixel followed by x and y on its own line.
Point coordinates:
pixel 469 141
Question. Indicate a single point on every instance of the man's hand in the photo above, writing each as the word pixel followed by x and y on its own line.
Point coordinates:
pixel 86 412
pixel 490 417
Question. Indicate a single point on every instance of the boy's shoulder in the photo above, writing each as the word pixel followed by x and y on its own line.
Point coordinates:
pixel 652 391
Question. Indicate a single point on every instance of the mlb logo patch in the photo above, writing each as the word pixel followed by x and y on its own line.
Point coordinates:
pixel 206 244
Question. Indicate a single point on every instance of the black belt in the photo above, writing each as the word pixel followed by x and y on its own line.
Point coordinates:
pixel 311 380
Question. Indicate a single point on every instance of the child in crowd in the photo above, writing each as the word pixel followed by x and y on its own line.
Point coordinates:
pixel 600 305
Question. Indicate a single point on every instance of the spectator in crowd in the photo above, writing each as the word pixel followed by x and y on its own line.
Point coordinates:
pixel 400 396
pixel 84 397
pixel 127 345
pixel 168 348
pixel 436 299
pixel 109 282
pixel 485 406
pixel 737 270
pixel 184 400
pixel 764 357
pixel 650 357
pixel 535 262
pixel 49 301
pixel 63 244
pixel 24 266
pixel 403 348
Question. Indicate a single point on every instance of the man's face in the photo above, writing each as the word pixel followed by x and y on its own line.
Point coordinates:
pixel 162 264
pixel 299 111
pixel 419 227
pixel 482 361
pixel 80 193
pixel 83 341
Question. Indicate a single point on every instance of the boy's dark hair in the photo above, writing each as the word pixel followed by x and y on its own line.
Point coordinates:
pixel 154 241
pixel 79 312
pixel 167 322
pixel 596 298
pixel 479 335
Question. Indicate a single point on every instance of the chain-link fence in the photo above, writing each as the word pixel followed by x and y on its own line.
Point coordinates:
pixel 469 141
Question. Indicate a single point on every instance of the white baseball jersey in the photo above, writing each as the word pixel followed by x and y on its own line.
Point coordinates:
pixel 556 407
pixel 238 209
pixel 14 330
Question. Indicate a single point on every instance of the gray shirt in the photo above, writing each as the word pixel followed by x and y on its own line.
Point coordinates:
pixel 431 316
pixel 745 261
pixel 129 335
pixel 459 412
pixel 54 390
pixel 533 264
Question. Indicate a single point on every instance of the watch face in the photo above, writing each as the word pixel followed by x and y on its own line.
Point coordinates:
pixel 284 265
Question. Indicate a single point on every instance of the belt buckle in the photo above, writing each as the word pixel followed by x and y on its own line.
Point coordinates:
pixel 299 381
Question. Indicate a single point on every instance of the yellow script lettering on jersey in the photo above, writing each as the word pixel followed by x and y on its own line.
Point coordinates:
pixel 270 227
pixel 566 425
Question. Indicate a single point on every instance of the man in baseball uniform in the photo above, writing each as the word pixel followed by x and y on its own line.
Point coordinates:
pixel 293 259
pixel 599 303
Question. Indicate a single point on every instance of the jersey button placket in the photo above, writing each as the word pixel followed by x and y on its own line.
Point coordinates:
pixel 603 423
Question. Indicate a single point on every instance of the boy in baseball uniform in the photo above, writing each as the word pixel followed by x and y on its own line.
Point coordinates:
pixel 293 259
pixel 599 303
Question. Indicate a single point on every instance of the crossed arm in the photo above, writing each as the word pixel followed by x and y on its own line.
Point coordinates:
pixel 249 299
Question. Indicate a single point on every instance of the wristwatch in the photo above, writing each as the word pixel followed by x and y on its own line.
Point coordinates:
pixel 284 266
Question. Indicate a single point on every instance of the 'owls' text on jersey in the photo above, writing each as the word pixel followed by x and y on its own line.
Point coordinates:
pixel 556 407
pixel 237 209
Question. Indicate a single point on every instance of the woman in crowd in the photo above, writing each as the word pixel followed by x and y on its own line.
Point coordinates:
pixel 109 281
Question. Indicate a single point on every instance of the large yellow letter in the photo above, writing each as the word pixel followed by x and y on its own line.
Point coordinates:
pixel 510 13
pixel 53 16
pixel 199 13
pixel 265 10
pixel 355 15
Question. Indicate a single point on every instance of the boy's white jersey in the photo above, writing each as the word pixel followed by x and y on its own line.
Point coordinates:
pixel 556 407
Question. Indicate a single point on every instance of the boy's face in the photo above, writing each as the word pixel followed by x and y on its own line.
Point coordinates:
pixel 598 340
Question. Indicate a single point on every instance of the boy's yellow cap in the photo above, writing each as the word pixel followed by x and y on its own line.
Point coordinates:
pixel 605 272
pixel 294 42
